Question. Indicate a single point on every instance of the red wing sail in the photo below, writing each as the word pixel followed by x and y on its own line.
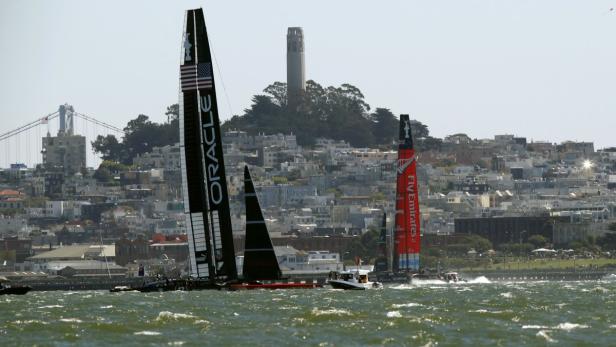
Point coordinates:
pixel 407 238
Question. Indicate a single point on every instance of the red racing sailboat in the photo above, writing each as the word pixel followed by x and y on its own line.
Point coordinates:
pixel 407 239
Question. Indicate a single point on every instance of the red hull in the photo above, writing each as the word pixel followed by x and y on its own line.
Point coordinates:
pixel 248 286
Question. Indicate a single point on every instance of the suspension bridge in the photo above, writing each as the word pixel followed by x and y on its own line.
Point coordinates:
pixel 24 144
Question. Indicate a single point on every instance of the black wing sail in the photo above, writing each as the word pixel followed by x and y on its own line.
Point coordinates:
pixel 260 261
pixel 206 200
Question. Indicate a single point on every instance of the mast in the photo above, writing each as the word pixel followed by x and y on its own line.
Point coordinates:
pixel 407 233
pixel 260 261
pixel 206 199
pixel 382 262
pixel 383 235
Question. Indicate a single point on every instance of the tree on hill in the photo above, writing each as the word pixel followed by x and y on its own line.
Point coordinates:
pixel 140 136
pixel 339 113
pixel 384 126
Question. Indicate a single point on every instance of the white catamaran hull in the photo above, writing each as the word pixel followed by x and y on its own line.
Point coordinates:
pixel 348 285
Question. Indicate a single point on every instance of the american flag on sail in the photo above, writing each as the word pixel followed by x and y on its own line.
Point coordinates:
pixel 196 76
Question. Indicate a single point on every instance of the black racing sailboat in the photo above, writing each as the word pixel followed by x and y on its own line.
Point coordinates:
pixel 260 261
pixel 206 199
pixel 260 269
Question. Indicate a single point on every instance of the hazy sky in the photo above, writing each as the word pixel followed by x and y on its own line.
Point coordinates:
pixel 541 69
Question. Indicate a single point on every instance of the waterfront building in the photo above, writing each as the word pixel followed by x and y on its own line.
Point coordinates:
pixel 84 268
pixel 40 262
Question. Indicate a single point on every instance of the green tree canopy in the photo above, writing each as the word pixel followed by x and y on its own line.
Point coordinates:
pixel 537 240
pixel 140 136
pixel 339 113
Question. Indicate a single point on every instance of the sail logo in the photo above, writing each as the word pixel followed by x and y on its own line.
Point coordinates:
pixel 407 129
pixel 410 188
pixel 209 139
pixel 187 47
pixel 403 164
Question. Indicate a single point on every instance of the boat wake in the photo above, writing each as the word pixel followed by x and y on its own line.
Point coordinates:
pixel 609 277
pixel 480 279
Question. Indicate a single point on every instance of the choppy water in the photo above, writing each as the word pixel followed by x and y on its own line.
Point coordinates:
pixel 477 314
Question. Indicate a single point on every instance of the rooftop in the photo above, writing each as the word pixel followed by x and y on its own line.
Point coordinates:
pixel 77 252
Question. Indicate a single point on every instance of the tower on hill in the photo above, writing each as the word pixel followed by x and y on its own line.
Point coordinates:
pixel 296 71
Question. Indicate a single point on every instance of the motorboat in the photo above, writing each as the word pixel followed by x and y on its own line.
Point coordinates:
pixel 452 277
pixel 352 280
pixel 448 277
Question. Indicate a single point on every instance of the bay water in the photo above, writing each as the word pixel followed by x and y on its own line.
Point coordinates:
pixel 477 313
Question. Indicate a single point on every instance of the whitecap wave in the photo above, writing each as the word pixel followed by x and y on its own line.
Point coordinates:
pixel 410 304
pixel 394 314
pixel 166 316
pixel 535 327
pixel 544 334
pixel 570 326
pixel 30 321
pixel 506 295
pixel 331 312
pixel 147 333
pixel 71 320
pixel 107 306
pixel 562 326
pixel 51 306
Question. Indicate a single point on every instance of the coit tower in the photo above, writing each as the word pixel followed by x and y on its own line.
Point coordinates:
pixel 296 71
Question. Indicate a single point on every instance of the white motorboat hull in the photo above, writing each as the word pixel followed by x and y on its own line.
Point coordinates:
pixel 347 285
